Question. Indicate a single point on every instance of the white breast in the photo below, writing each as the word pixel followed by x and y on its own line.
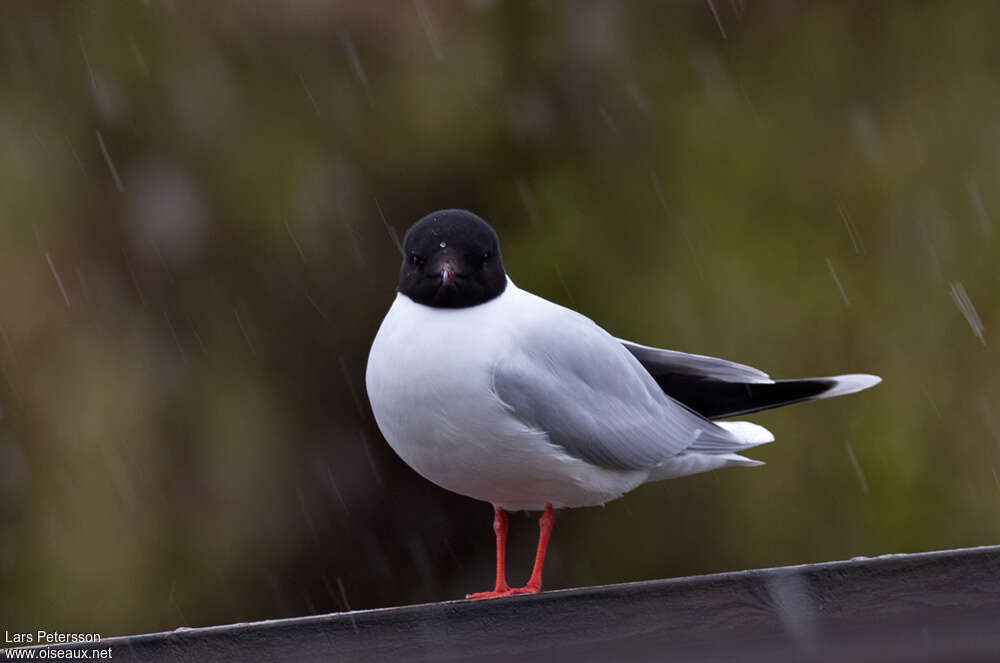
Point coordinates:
pixel 429 380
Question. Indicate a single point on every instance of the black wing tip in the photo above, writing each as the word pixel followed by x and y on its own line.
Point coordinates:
pixel 716 399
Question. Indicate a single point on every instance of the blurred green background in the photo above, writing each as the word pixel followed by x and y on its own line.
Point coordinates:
pixel 198 207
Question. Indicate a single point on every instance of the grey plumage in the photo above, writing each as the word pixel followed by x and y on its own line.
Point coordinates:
pixel 580 386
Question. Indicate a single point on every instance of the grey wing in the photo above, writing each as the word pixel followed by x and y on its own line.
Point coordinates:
pixel 595 400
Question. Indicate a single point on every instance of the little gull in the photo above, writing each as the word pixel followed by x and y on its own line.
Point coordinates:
pixel 494 393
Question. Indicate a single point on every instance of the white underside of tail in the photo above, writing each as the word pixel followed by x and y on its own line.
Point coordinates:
pixel 694 461
pixel 749 434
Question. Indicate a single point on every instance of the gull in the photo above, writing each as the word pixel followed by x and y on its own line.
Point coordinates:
pixel 500 395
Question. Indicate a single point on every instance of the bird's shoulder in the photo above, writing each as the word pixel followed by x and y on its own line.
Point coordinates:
pixel 543 324
pixel 556 349
pixel 569 378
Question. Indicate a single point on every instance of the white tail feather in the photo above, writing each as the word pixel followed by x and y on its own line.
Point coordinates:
pixel 749 434
pixel 687 464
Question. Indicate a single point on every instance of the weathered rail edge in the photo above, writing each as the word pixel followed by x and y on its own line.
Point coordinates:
pixel 932 606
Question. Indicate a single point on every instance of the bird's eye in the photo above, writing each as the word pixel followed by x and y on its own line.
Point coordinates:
pixel 487 255
pixel 416 260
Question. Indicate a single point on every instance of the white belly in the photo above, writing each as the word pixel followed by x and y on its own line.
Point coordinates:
pixel 429 381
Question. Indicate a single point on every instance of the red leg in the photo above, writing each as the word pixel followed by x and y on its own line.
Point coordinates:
pixel 544 532
pixel 500 528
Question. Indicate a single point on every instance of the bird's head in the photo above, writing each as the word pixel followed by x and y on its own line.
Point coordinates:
pixel 451 259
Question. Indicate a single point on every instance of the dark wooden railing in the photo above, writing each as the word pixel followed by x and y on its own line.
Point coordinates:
pixel 936 606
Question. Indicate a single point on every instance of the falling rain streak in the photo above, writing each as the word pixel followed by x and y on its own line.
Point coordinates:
pixel 295 242
pixel 76 156
pixel 86 60
pixel 393 235
pixel 350 385
pixel 309 94
pixel 840 286
pixel 139 59
pixel 528 200
pixel 990 419
pixel 430 28
pixel 351 51
pixel 177 340
pixel 852 230
pixel 658 188
pixel 308 516
pixel 55 274
pixel 718 21
pixel 111 164
pixel 243 329
pixel 964 304
pixel 857 468
pixel 347 606
pixel 985 222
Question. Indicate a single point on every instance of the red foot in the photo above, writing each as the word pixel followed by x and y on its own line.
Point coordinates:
pixel 495 594
pixel 509 591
